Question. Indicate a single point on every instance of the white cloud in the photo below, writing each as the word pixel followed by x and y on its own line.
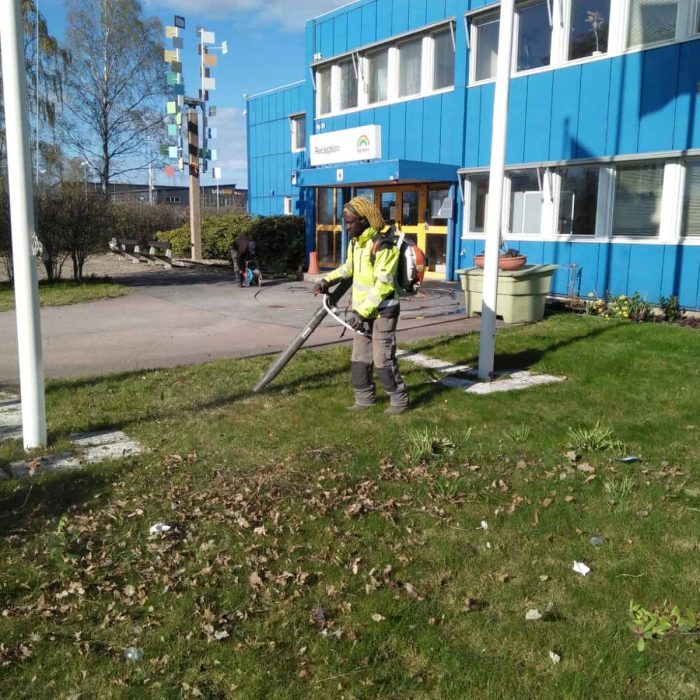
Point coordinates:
pixel 289 15
pixel 230 145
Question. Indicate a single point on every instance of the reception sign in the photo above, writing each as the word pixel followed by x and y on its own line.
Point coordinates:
pixel 347 145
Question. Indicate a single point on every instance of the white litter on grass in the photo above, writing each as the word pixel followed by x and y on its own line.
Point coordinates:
pixel 533 614
pixel 484 525
pixel 158 527
pixel 554 657
pixel 581 568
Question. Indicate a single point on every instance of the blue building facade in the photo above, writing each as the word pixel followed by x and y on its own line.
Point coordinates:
pixel 603 144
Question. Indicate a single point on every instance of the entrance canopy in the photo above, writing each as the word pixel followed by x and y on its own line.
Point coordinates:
pixel 380 171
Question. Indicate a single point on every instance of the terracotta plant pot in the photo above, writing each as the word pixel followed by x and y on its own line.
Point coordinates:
pixel 508 264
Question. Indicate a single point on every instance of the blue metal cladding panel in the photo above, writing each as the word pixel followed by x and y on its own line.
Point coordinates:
pixel 397 130
pixel 658 104
pixel 486 124
pixel 382 116
pixel 352 120
pixel 592 110
pixel 585 257
pixel 369 24
pixel 435 11
pixel 686 132
pixel 618 268
pixel 384 19
pixel 565 113
pixel 472 130
pixel 417 13
pixel 325 45
pixel 448 129
pixel 413 134
pixel 538 116
pixel 354 28
pixel 340 34
pixel 517 111
pixel 625 103
pixel 681 275
pixel 645 271
pixel 399 17
pixel 431 131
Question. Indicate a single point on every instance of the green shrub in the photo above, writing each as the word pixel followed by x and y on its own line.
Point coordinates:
pixel 281 245
pixel 141 222
pixel 218 233
pixel 280 240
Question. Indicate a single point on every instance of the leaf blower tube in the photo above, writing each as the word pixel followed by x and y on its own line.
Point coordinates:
pixel 329 302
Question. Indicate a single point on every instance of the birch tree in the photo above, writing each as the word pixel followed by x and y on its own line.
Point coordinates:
pixel 114 87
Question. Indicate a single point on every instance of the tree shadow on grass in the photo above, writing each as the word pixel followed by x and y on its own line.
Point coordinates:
pixel 523 359
pixel 25 504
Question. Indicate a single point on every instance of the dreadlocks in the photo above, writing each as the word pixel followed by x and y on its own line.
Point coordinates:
pixel 364 209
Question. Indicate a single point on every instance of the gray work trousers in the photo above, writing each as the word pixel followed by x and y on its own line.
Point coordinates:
pixel 378 350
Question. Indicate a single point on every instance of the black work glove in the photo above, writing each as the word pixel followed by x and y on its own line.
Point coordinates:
pixel 356 322
pixel 321 287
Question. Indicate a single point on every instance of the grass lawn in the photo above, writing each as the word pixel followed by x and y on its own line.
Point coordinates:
pixel 66 292
pixel 316 554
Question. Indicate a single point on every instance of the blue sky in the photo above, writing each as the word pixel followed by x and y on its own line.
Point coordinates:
pixel 266 49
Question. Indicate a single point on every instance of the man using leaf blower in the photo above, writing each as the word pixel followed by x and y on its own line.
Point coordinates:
pixel 372 264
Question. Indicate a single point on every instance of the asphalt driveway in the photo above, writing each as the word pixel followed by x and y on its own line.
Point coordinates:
pixel 179 317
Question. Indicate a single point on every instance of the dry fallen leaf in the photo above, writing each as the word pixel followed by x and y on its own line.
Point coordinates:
pixel 377 617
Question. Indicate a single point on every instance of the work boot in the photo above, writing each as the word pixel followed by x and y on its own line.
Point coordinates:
pixel 360 406
pixel 395 410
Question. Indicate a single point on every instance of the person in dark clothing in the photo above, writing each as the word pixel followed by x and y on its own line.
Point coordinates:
pixel 243 250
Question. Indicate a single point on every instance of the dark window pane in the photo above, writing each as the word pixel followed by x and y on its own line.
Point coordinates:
pixel 409 214
pixel 534 36
pixel 589 28
pixel 578 201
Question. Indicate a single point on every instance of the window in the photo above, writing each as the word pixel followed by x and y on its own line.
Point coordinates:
pixel 578 201
pixel 297 124
pixel 525 202
pixel 410 61
pixel 478 194
pixel 444 60
pixel 691 200
pixel 485 40
pixel 348 84
pixel 651 21
pixel 637 205
pixel 172 200
pixel 589 24
pixel 378 76
pixel 288 206
pixel 325 206
pixel 534 36
pixel 323 90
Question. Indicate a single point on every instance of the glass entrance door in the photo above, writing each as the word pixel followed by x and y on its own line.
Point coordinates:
pixel 420 212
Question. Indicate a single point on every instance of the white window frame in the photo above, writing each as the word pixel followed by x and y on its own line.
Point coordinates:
pixel 477 21
pixel 687 20
pixel 361 57
pixel 670 211
pixel 288 210
pixel 294 121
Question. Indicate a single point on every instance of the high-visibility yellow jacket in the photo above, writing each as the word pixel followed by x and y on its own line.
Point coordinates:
pixel 374 290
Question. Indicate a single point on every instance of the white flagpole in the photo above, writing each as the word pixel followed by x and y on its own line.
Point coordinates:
pixel 19 169
pixel 494 213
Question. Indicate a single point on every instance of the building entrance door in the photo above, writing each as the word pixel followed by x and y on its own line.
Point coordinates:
pixel 420 212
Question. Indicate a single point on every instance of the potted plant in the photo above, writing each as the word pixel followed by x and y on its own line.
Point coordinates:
pixel 508 260
pixel 595 19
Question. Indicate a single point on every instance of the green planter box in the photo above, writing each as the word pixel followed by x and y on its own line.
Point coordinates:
pixel 521 293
